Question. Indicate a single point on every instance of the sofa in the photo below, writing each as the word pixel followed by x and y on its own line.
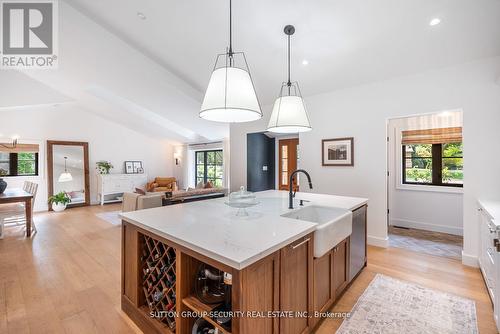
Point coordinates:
pixel 162 184
pixel 168 186
pixel 198 193
pixel 135 201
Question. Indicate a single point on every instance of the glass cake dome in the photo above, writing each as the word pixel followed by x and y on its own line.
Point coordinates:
pixel 242 199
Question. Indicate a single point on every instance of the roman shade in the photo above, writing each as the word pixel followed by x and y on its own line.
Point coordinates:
pixel 20 148
pixel 432 136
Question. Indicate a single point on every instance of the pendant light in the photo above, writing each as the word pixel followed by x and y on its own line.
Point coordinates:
pixel 65 177
pixel 289 112
pixel 230 95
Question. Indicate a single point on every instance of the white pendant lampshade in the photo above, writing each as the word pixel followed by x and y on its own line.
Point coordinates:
pixel 65 176
pixel 289 113
pixel 230 95
pixel 289 116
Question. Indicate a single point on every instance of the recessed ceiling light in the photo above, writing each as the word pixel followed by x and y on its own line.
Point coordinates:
pixel 141 15
pixel 435 22
pixel 305 62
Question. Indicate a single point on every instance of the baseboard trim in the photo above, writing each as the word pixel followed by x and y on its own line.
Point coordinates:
pixel 378 241
pixel 470 260
pixel 427 226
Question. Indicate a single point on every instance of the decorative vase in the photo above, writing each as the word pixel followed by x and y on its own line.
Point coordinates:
pixel 58 207
pixel 103 170
pixel 3 185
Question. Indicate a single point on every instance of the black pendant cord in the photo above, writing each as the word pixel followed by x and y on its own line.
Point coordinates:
pixel 289 83
pixel 230 52
pixel 289 31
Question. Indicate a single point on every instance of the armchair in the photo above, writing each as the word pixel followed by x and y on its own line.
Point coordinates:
pixel 162 184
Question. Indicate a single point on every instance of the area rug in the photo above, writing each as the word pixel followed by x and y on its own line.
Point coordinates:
pixel 111 217
pixel 391 306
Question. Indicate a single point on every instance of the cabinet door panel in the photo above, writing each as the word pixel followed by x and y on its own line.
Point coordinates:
pixel 261 294
pixel 340 267
pixel 323 271
pixel 296 285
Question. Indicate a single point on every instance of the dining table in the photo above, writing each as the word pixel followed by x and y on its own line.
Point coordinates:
pixel 17 195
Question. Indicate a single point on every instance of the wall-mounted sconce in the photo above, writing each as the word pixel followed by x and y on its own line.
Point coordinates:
pixel 13 145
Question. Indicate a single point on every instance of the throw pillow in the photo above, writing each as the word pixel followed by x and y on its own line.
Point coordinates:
pixel 140 191
pixel 209 185
pixel 200 185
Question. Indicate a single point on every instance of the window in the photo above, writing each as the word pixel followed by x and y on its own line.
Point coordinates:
pixel 433 164
pixel 209 167
pixel 19 164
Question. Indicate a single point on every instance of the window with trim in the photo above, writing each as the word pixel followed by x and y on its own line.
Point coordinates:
pixel 19 164
pixel 433 157
pixel 209 167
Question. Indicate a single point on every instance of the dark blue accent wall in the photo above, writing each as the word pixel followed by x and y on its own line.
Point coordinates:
pixel 260 152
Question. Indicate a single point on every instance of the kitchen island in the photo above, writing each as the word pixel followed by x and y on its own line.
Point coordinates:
pixel 264 262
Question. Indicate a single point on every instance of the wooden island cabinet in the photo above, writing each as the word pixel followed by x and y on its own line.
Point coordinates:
pixel 270 285
pixel 280 282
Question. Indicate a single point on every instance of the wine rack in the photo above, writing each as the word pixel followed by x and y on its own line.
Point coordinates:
pixel 158 279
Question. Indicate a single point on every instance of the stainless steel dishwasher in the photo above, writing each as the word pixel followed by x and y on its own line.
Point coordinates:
pixel 358 242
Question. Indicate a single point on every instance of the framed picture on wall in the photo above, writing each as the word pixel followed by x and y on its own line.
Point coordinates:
pixel 337 152
pixel 129 167
pixel 133 167
pixel 138 167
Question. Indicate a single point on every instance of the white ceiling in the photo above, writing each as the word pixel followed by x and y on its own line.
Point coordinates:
pixel 18 90
pixel 106 76
pixel 150 75
pixel 73 153
pixel 347 42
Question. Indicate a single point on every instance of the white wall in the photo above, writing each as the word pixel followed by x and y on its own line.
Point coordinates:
pixel 362 112
pixel 431 208
pixel 107 141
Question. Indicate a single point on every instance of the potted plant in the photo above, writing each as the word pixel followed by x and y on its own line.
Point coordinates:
pixel 103 167
pixel 59 201
pixel 3 184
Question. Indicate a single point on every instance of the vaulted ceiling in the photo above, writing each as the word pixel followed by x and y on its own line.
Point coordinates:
pixel 149 71
pixel 346 42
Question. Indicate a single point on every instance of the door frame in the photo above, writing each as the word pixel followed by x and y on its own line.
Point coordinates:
pixel 278 158
pixel 391 163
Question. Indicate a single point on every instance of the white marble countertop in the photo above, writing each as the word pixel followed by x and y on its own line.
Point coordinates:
pixel 493 209
pixel 212 228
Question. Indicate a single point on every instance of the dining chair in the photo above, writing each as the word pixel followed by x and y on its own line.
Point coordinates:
pixel 15 214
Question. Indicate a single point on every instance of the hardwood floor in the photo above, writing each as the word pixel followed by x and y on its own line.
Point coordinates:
pixel 66 279
pixel 434 272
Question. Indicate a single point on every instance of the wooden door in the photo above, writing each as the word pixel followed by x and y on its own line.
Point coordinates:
pixel 288 155
pixel 340 267
pixel 296 285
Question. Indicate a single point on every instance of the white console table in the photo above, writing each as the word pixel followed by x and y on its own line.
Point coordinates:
pixel 112 186
pixel 489 251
